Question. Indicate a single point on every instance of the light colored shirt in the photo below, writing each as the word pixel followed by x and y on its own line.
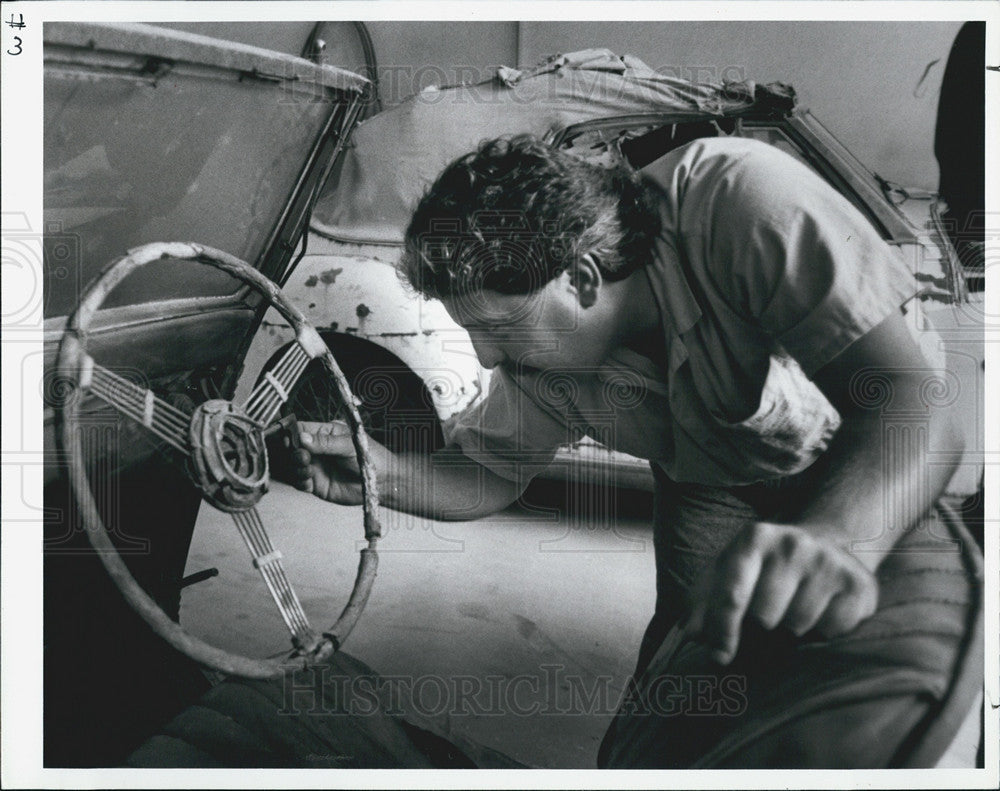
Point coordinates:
pixel 762 274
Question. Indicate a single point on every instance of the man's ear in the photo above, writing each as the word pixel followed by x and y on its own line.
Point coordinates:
pixel 586 280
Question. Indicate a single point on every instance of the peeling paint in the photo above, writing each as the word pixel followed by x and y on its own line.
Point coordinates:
pixel 329 277
pixel 362 310
pixel 360 259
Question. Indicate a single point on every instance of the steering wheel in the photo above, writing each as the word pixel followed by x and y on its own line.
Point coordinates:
pixel 222 448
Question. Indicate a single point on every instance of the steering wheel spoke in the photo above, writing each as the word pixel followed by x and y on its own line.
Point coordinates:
pixel 275 385
pixel 139 403
pixel 267 561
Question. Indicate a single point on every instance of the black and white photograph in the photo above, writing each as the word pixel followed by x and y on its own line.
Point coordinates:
pixel 502 395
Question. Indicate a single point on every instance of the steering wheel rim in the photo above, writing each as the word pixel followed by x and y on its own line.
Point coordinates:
pixel 75 368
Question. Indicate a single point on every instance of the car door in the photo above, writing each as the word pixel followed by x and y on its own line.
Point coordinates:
pixel 155 135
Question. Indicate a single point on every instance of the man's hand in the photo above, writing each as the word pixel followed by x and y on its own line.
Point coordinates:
pixel 326 464
pixel 783 576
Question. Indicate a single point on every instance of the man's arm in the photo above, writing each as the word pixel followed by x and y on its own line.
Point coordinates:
pixel 806 574
pixel 444 485
pixel 851 503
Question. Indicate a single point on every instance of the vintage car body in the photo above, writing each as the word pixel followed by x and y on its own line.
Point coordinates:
pixel 415 366
pixel 154 135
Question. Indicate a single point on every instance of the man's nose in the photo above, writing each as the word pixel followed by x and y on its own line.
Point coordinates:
pixel 489 355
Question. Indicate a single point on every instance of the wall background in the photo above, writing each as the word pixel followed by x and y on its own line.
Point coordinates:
pixel 874 84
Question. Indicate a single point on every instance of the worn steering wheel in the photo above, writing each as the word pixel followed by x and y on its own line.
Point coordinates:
pixel 222 448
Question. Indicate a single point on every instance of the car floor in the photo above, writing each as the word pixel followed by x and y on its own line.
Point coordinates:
pixel 519 629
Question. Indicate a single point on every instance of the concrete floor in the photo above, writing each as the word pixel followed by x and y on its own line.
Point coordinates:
pixel 527 622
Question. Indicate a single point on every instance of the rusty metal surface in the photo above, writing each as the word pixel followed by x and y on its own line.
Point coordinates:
pixel 180 46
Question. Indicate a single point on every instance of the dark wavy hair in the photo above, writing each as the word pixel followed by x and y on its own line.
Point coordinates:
pixel 514 214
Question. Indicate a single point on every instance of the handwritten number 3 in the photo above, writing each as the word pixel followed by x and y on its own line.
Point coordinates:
pixel 17 44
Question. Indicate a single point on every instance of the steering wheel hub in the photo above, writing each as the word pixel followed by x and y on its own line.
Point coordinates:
pixel 229 455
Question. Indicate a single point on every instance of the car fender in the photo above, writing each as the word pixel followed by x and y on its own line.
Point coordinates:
pixel 354 290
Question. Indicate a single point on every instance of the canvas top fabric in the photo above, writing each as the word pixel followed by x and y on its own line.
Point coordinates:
pixel 395 155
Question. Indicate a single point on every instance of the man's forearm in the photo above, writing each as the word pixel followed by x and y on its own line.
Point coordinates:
pixel 443 485
pixel 890 461
pixel 815 569
pixel 879 482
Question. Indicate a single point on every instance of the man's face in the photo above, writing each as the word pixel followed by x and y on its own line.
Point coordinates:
pixel 553 327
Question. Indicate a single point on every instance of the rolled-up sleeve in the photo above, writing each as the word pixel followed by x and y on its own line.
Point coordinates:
pixel 508 432
pixel 791 253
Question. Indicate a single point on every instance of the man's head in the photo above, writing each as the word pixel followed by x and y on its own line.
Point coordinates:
pixel 515 213
pixel 512 222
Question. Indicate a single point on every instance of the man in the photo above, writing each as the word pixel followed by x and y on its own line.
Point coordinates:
pixel 756 318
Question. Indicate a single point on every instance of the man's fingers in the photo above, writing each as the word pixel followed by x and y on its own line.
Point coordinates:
pixel 796 583
pixel 328 439
pixel 325 464
pixel 330 426
pixel 729 596
pixel 301 471
pixel 808 605
pixel 776 588
pixel 301 465
pixel 849 608
pixel 781 576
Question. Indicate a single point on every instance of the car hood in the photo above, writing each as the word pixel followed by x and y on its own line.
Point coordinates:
pixel 396 154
